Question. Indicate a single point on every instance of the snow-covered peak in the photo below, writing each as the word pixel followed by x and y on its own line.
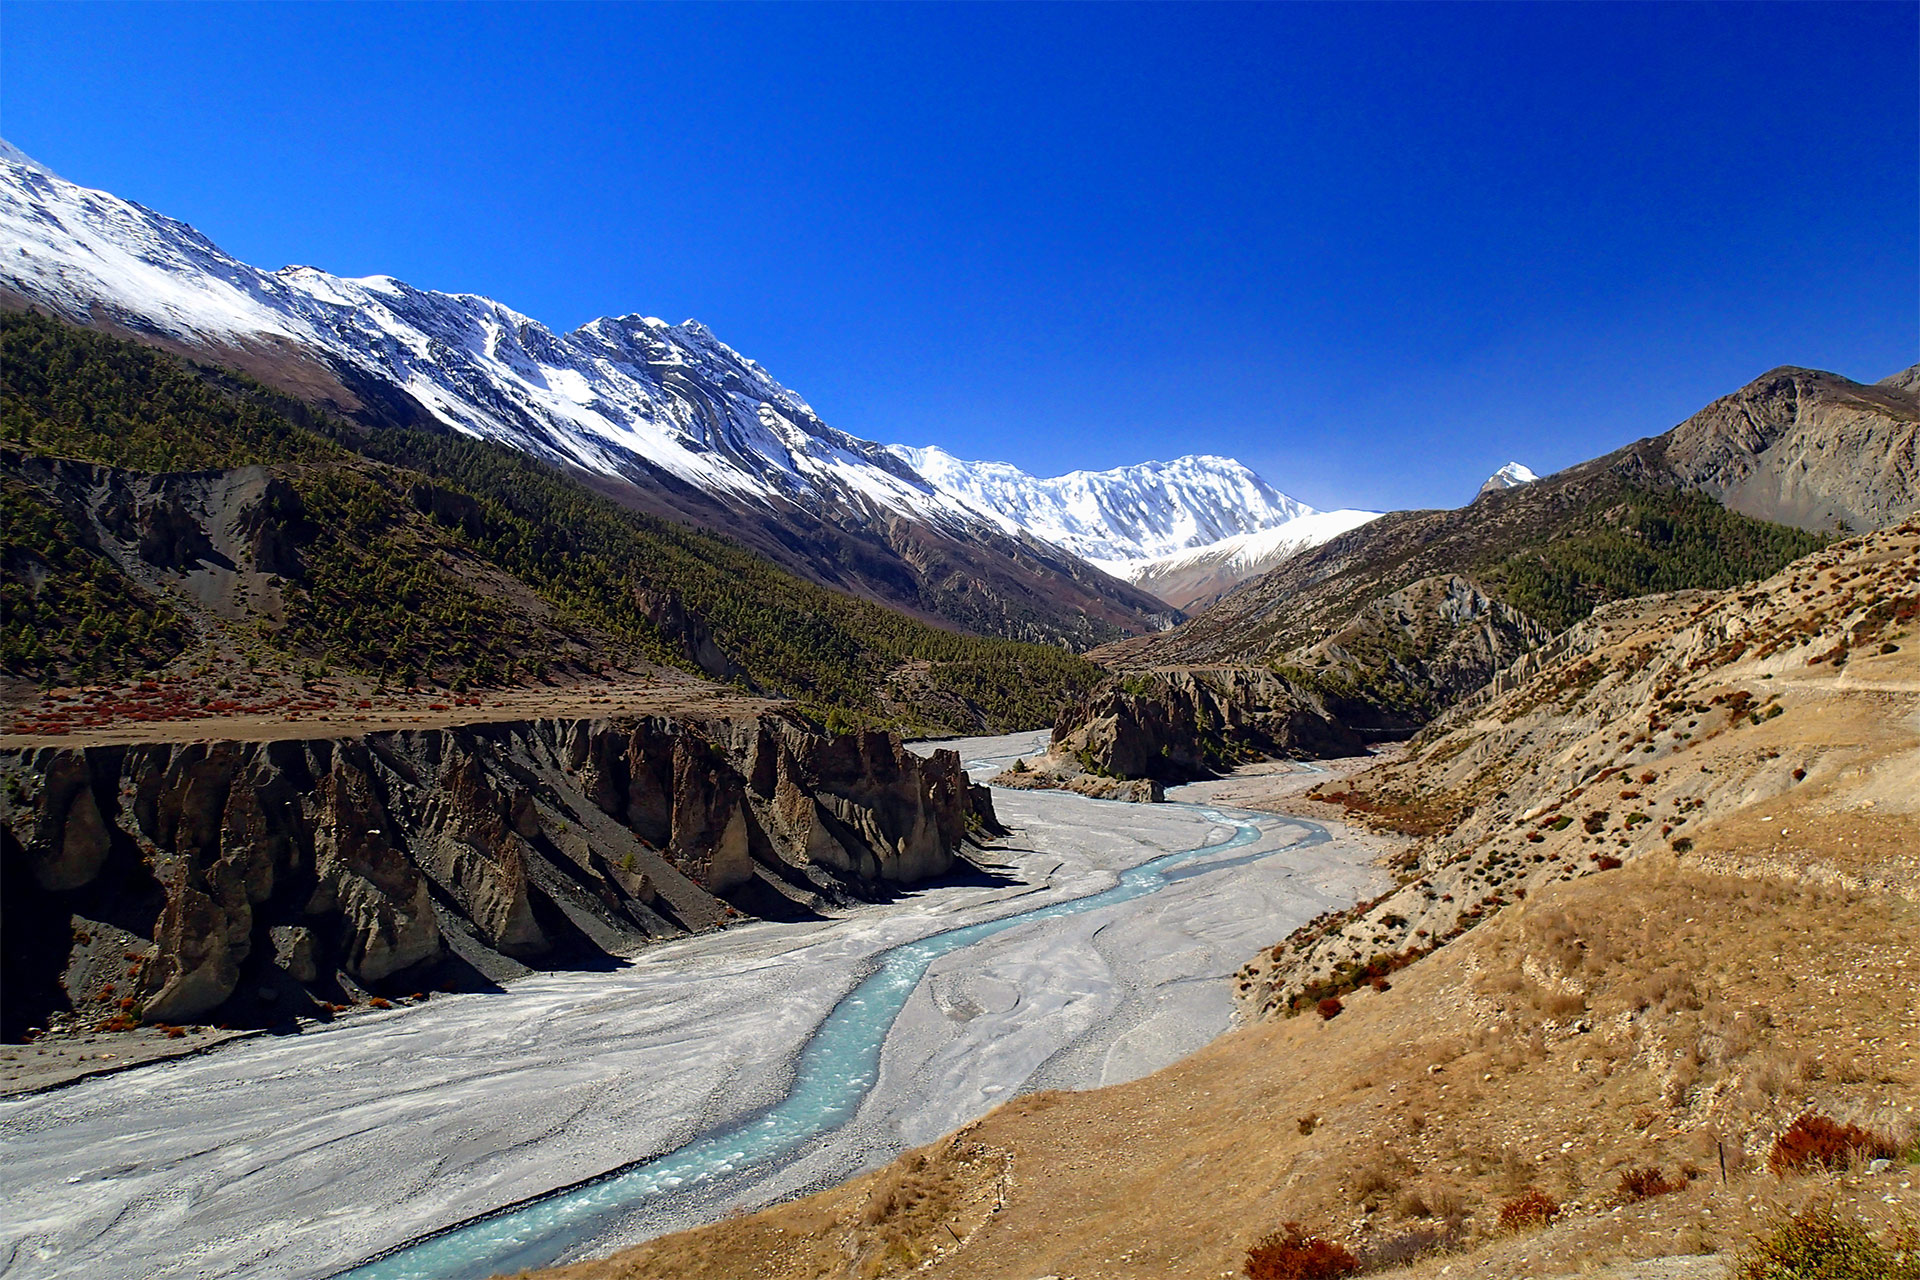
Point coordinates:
pixel 15 156
pixel 1511 476
pixel 1252 552
pixel 1116 517
pixel 629 396
pixel 619 395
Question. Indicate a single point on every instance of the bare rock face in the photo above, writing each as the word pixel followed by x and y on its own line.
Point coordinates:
pixel 1186 724
pixel 72 840
pixel 349 864
pixel 1807 448
pixel 294 951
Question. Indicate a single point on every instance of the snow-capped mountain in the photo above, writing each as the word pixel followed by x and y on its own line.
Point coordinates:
pixel 1194 576
pixel 1119 518
pixel 613 393
pixel 662 417
pixel 666 417
pixel 1511 476
pixel 1185 530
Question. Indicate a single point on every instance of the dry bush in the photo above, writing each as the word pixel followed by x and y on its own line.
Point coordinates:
pixel 1291 1254
pixel 1664 991
pixel 1816 1141
pixel 1430 1200
pixel 1551 1002
pixel 1644 1184
pixel 1530 1209
pixel 1817 1244
pixel 1330 1007
pixel 1380 1179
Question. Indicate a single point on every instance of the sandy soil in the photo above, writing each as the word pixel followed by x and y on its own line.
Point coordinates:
pixel 294 1156
pixel 51 1061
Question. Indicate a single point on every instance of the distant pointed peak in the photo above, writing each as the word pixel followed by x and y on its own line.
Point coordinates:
pixel 1511 476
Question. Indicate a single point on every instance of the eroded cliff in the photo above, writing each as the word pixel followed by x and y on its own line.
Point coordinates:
pixel 1184 724
pixel 252 881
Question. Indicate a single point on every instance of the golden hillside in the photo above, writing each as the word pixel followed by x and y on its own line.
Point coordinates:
pixel 1721 936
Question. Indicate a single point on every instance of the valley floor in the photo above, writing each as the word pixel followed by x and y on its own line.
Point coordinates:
pixel 1671 878
pixel 302 1155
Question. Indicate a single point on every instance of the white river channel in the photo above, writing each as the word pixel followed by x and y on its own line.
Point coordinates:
pixel 308 1155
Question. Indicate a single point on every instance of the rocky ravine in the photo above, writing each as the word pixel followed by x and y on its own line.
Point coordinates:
pixel 248 882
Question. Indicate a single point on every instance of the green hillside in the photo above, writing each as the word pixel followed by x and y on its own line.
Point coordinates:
pixel 423 556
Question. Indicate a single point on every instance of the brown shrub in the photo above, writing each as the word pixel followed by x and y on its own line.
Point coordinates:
pixel 1644 1184
pixel 1291 1254
pixel 1815 1140
pixel 1530 1209
pixel 1330 1007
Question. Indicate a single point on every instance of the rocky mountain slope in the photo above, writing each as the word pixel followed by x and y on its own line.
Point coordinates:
pixel 173 523
pixel 665 418
pixel 1806 448
pixel 1638 999
pixel 1642 723
pixel 1374 614
pixel 1865 474
pixel 252 882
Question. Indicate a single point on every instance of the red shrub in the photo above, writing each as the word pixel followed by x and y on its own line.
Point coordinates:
pixel 1531 1208
pixel 1330 1007
pixel 1291 1254
pixel 1814 1140
pixel 1644 1184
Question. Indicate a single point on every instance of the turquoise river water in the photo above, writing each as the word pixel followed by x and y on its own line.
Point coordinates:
pixel 831 1077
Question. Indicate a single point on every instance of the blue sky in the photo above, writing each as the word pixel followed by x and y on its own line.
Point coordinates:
pixel 1373 251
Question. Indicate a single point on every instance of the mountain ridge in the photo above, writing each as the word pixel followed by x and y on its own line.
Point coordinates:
pixel 1371 619
pixel 665 418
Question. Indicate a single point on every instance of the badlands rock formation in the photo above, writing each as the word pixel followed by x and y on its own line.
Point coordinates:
pixel 1180 725
pixel 172 880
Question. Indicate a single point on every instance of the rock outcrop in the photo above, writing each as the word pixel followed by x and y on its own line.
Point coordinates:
pixel 1185 724
pixel 240 874
pixel 1807 448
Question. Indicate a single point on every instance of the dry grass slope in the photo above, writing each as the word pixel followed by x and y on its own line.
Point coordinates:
pixel 1556 1087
